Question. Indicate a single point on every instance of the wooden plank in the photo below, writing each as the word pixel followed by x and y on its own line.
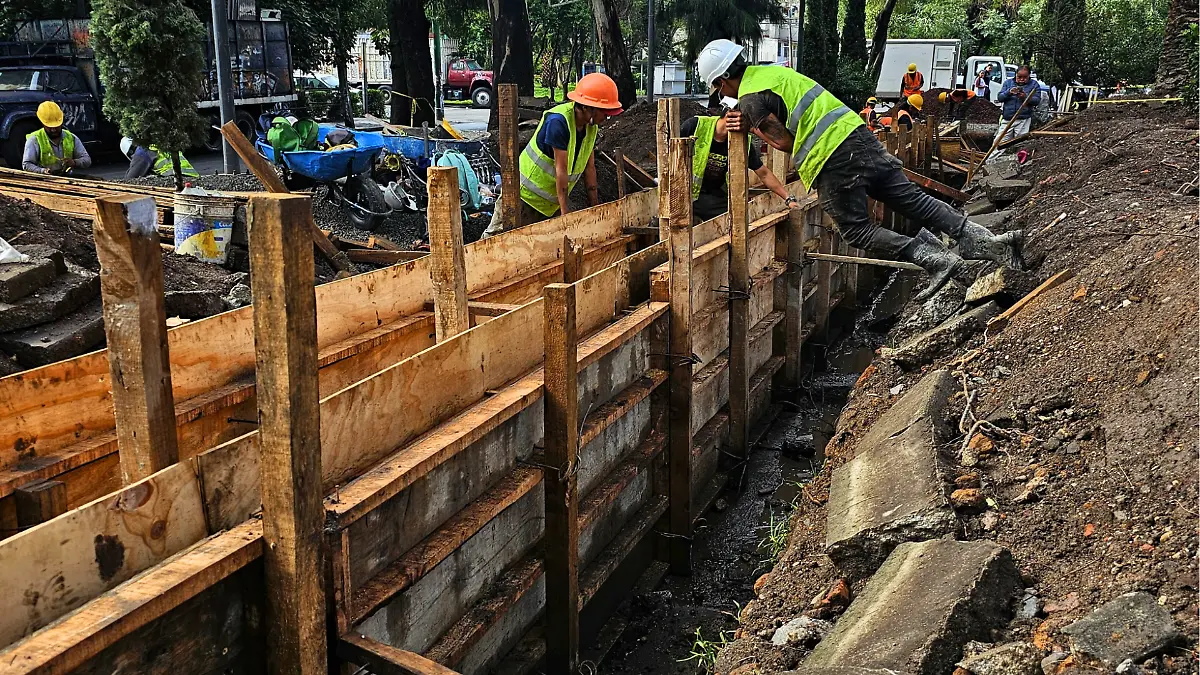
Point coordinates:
pixel 386 257
pixel 41 501
pixel 935 186
pixel 449 270
pixel 384 659
pixel 634 530
pixel 510 185
pixel 131 282
pixel 998 323
pixel 562 505
pixel 666 127
pixel 572 261
pixel 619 160
pixel 679 200
pixel 930 132
pixel 794 303
pixel 824 279
pixel 739 298
pixel 641 175
pixel 858 260
pixel 380 241
pixel 285 341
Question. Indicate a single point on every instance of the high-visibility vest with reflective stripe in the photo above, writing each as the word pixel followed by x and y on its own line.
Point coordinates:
pixel 912 83
pixel 164 167
pixel 537 170
pixel 46 158
pixel 818 120
pixel 706 127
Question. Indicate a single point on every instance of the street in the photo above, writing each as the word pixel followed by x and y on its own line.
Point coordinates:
pixel 462 117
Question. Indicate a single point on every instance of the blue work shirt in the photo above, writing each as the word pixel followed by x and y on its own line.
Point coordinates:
pixel 1033 90
pixel 554 134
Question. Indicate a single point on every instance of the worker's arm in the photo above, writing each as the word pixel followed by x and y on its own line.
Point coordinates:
pixel 562 180
pixel 772 183
pixel 82 159
pixel 589 181
pixel 1004 94
pixel 29 160
pixel 1035 96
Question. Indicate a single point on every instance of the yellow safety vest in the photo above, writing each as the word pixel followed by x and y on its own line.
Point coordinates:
pixel 538 188
pixel 706 128
pixel 818 120
pixel 163 166
pixel 46 158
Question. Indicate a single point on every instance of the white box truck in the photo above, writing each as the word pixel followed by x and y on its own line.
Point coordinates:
pixel 936 59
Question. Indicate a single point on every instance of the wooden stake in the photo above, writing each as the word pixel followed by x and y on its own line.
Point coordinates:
pixel 135 324
pixel 679 201
pixel 666 128
pixel 739 298
pixel 857 260
pixel 572 261
pixel 285 344
pixel 902 150
pixel 510 171
pixel 930 133
pixel 793 316
pixel 449 272
pixel 824 281
pixel 39 502
pixel 562 503
pixel 619 161
pixel 973 167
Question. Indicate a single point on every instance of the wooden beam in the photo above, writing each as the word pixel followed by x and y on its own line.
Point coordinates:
pixel 640 175
pixel 131 280
pixel 739 298
pixel 384 257
pixel 794 304
pixel 285 340
pixel 271 181
pixel 449 271
pixel 679 202
pixel 619 160
pixel 384 659
pixel 40 501
pixel 998 323
pixel 930 132
pixel 379 241
pixel 665 129
pixel 562 504
pixel 857 260
pixel 572 261
pixel 935 186
pixel 510 183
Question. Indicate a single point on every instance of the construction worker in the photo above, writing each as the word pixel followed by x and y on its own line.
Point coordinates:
pixel 956 102
pixel 903 112
pixel 710 168
pixel 560 152
pixel 912 82
pixel 835 153
pixel 869 115
pixel 1020 96
pixel 144 160
pixel 53 149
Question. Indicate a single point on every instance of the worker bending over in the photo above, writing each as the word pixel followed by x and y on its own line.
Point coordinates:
pixel 957 102
pixel 53 149
pixel 560 152
pixel 835 153
pixel 903 112
pixel 710 168
pixel 870 117
pixel 144 160
pixel 912 82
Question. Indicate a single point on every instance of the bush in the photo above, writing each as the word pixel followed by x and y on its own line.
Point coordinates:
pixel 377 102
pixel 852 86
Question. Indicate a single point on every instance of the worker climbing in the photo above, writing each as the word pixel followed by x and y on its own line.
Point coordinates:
pixel 53 149
pixel 144 160
pixel 710 168
pixel 560 152
pixel 912 82
pixel 835 153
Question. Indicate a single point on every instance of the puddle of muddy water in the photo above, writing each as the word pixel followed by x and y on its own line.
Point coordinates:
pixel 733 544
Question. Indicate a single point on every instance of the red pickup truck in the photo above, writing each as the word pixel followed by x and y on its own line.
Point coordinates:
pixel 466 79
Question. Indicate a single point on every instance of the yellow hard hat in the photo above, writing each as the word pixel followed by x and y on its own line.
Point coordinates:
pixel 912 67
pixel 872 101
pixel 916 101
pixel 50 114
pixel 942 97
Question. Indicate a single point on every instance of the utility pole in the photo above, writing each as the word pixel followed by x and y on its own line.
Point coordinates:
pixel 220 23
pixel 439 112
pixel 650 47
pixel 362 66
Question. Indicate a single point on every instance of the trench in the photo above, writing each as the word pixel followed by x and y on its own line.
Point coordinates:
pixel 677 625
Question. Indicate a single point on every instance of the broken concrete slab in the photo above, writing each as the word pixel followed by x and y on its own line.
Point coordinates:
pixel 988 285
pixel 43 252
pixel 193 304
pixel 978 206
pixel 1015 658
pixel 951 333
pixel 18 279
pixel 1003 167
pixel 1129 627
pixel 920 608
pixel 892 491
pixel 64 295
pixel 841 670
pixel 943 305
pixel 1002 192
pixel 993 221
pixel 72 335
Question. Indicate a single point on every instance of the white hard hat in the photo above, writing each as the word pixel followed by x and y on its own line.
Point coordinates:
pixel 715 59
pixel 127 146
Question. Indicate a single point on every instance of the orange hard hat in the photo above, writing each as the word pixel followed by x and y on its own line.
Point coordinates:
pixel 598 91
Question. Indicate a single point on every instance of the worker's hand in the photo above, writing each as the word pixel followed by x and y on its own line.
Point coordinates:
pixel 1017 91
pixel 733 121
pixel 792 203
pixel 68 163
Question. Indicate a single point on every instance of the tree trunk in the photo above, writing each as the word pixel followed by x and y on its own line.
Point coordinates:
pixel 854 32
pixel 1062 53
pixel 1173 62
pixel 344 92
pixel 612 49
pixel 512 49
pixel 821 41
pixel 178 171
pixel 401 107
pixel 879 40
pixel 413 43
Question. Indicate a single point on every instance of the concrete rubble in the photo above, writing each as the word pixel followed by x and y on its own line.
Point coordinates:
pixel 1004 191
pixel 1131 627
pixel 948 335
pixel 1015 658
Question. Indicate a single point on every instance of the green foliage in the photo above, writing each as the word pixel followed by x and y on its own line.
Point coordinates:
pixel 323 31
pixel 151 62
pixel 1122 41
pixel 1189 92
pixel 926 19
pixel 473 30
pixel 776 540
pixel 15 12
pixel 704 652
pixel 821 41
pixel 736 20
pixel 852 84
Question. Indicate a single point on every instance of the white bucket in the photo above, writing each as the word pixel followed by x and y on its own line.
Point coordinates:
pixel 204 224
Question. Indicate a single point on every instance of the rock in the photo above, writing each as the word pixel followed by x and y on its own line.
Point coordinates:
pixel 234 280
pixel 967 480
pixel 1072 448
pixel 920 608
pixel 193 304
pixel 990 520
pixel 989 285
pixel 832 602
pixel 1050 663
pixel 1004 191
pixel 943 305
pixel 239 296
pixel 968 499
pixel 1003 167
pixel 1015 658
pixel 64 295
pixel 1033 490
pixel 745 669
pixel 42 252
pixel 18 280
pixel 891 492
pixel 761 582
pixel 802 631
pixel 1131 626
pixel 994 220
pixel 978 207
pixel 950 334
pixel 1027 608
pixel 70 336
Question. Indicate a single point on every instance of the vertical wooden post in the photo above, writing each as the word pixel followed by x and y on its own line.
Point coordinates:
pixel 665 128
pixel 824 281
pixel 38 502
pixel 931 134
pixel 679 202
pixel 739 298
pixel 572 261
pixel 619 158
pixel 902 139
pixel 781 162
pixel 285 345
pixel 562 508
pixel 135 324
pixel 449 270
pixel 510 172
pixel 793 314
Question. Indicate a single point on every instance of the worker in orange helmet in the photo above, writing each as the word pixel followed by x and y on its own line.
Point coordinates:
pixel 912 82
pixel 560 152
pixel 956 102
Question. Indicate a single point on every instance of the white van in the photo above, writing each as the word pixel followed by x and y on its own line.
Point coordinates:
pixel 936 59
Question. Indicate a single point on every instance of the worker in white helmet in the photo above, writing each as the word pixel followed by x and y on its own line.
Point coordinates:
pixel 834 153
pixel 143 161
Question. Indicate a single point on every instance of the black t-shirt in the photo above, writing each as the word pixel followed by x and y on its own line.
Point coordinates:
pixel 717 169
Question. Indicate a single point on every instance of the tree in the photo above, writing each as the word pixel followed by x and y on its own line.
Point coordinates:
pixel 1060 56
pixel 879 40
pixel 512 49
pixel 737 20
pixel 612 47
pixel 152 64
pixel 408 29
pixel 1177 63
pixel 854 33
pixel 821 41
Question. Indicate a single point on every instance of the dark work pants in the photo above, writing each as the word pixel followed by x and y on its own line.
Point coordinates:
pixel 861 167
pixel 709 205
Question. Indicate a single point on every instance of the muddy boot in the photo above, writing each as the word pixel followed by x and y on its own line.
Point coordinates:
pixel 927 251
pixel 976 242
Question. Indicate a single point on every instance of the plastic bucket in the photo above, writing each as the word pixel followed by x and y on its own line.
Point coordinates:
pixel 204 225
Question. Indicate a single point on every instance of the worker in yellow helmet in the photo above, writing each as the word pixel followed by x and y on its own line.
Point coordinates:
pixel 912 82
pixel 903 112
pixel 53 149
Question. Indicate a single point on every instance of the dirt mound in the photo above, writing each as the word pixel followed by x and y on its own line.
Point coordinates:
pixel 633 132
pixel 980 111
